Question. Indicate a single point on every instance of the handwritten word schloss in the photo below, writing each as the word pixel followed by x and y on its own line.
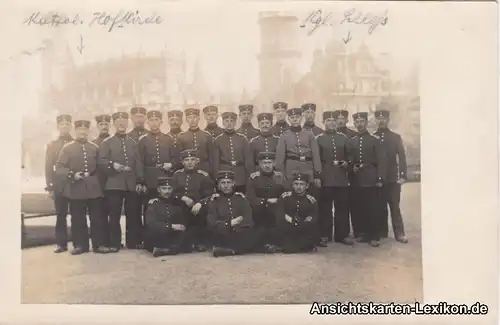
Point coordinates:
pixel 107 20
pixel 319 18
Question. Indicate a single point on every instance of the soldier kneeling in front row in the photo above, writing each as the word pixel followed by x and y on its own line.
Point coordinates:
pixel 264 187
pixel 166 218
pixel 230 219
pixel 297 217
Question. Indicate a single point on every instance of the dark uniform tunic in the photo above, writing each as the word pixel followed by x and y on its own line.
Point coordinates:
pixel 203 142
pixel 154 150
pixel 264 142
pixel 175 150
pixel 222 208
pixel 161 214
pixel 313 128
pixel 297 151
pixel 248 130
pixel 300 235
pixel 136 133
pixel 214 130
pixel 391 191
pixel 198 186
pixel 232 152
pixel 102 180
pixel 348 132
pixel 334 149
pixel 120 186
pixel 279 128
pixel 55 184
pixel 261 187
pixel 100 138
pixel 367 151
pixel 84 194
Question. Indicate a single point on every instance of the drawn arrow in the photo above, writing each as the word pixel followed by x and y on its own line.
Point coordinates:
pixel 349 37
pixel 80 48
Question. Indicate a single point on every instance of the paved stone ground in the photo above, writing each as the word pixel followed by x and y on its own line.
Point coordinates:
pixel 392 272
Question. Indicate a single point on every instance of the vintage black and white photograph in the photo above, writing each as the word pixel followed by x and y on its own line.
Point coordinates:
pixel 259 157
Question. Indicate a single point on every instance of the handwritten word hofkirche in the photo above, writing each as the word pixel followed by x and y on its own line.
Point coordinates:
pixel 107 20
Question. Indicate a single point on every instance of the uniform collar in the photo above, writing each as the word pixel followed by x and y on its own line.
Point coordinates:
pixel 212 126
pixel 120 135
pixel 266 134
pixel 175 130
pixel 295 128
pixel 365 132
pixel 196 129
pixel 281 123
pixel 382 130
pixel 103 135
pixel 65 137
pixel 139 129
pixel 230 132
pixel 82 141
pixel 155 133
pixel 309 124
pixel 330 131
pixel 247 125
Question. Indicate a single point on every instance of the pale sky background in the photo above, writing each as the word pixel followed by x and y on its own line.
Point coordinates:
pixel 225 38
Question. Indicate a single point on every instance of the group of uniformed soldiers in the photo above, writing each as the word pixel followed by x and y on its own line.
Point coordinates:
pixel 288 187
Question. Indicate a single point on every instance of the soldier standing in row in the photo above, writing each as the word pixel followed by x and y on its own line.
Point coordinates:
pixel 246 128
pixel 194 187
pixel 119 157
pixel 309 111
pixel 77 163
pixel 297 217
pixel 264 187
pixel 194 138
pixel 230 219
pixel 167 222
pixel 297 150
pixel 54 186
pixel 369 167
pixel 266 141
pixel 103 122
pixel 154 152
pixel 280 113
pixel 232 152
pixel 395 177
pixel 175 123
pixel 334 153
pixel 211 114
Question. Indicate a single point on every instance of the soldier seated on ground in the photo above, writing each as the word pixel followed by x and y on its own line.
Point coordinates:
pixel 194 187
pixel 167 219
pixel 297 214
pixel 230 219
pixel 264 187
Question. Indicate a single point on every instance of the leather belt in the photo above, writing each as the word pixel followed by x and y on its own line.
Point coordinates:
pixel 299 158
pixel 231 162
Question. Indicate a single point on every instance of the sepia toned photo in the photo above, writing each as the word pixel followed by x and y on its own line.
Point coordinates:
pixel 187 162
pixel 306 132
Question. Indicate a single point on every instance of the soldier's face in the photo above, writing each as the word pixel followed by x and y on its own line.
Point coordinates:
pixel 246 117
pixel 211 117
pixel 193 120
pixel 341 122
pixel 226 185
pixel 175 121
pixel 64 127
pixel 382 122
pixel 103 127
pixel 165 190
pixel 154 123
pixel 81 133
pixel 190 162
pixel 309 115
pixel 280 114
pixel 299 186
pixel 360 124
pixel 265 125
pixel 229 123
pixel 295 119
pixel 121 125
pixel 139 120
pixel 329 124
pixel 267 165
